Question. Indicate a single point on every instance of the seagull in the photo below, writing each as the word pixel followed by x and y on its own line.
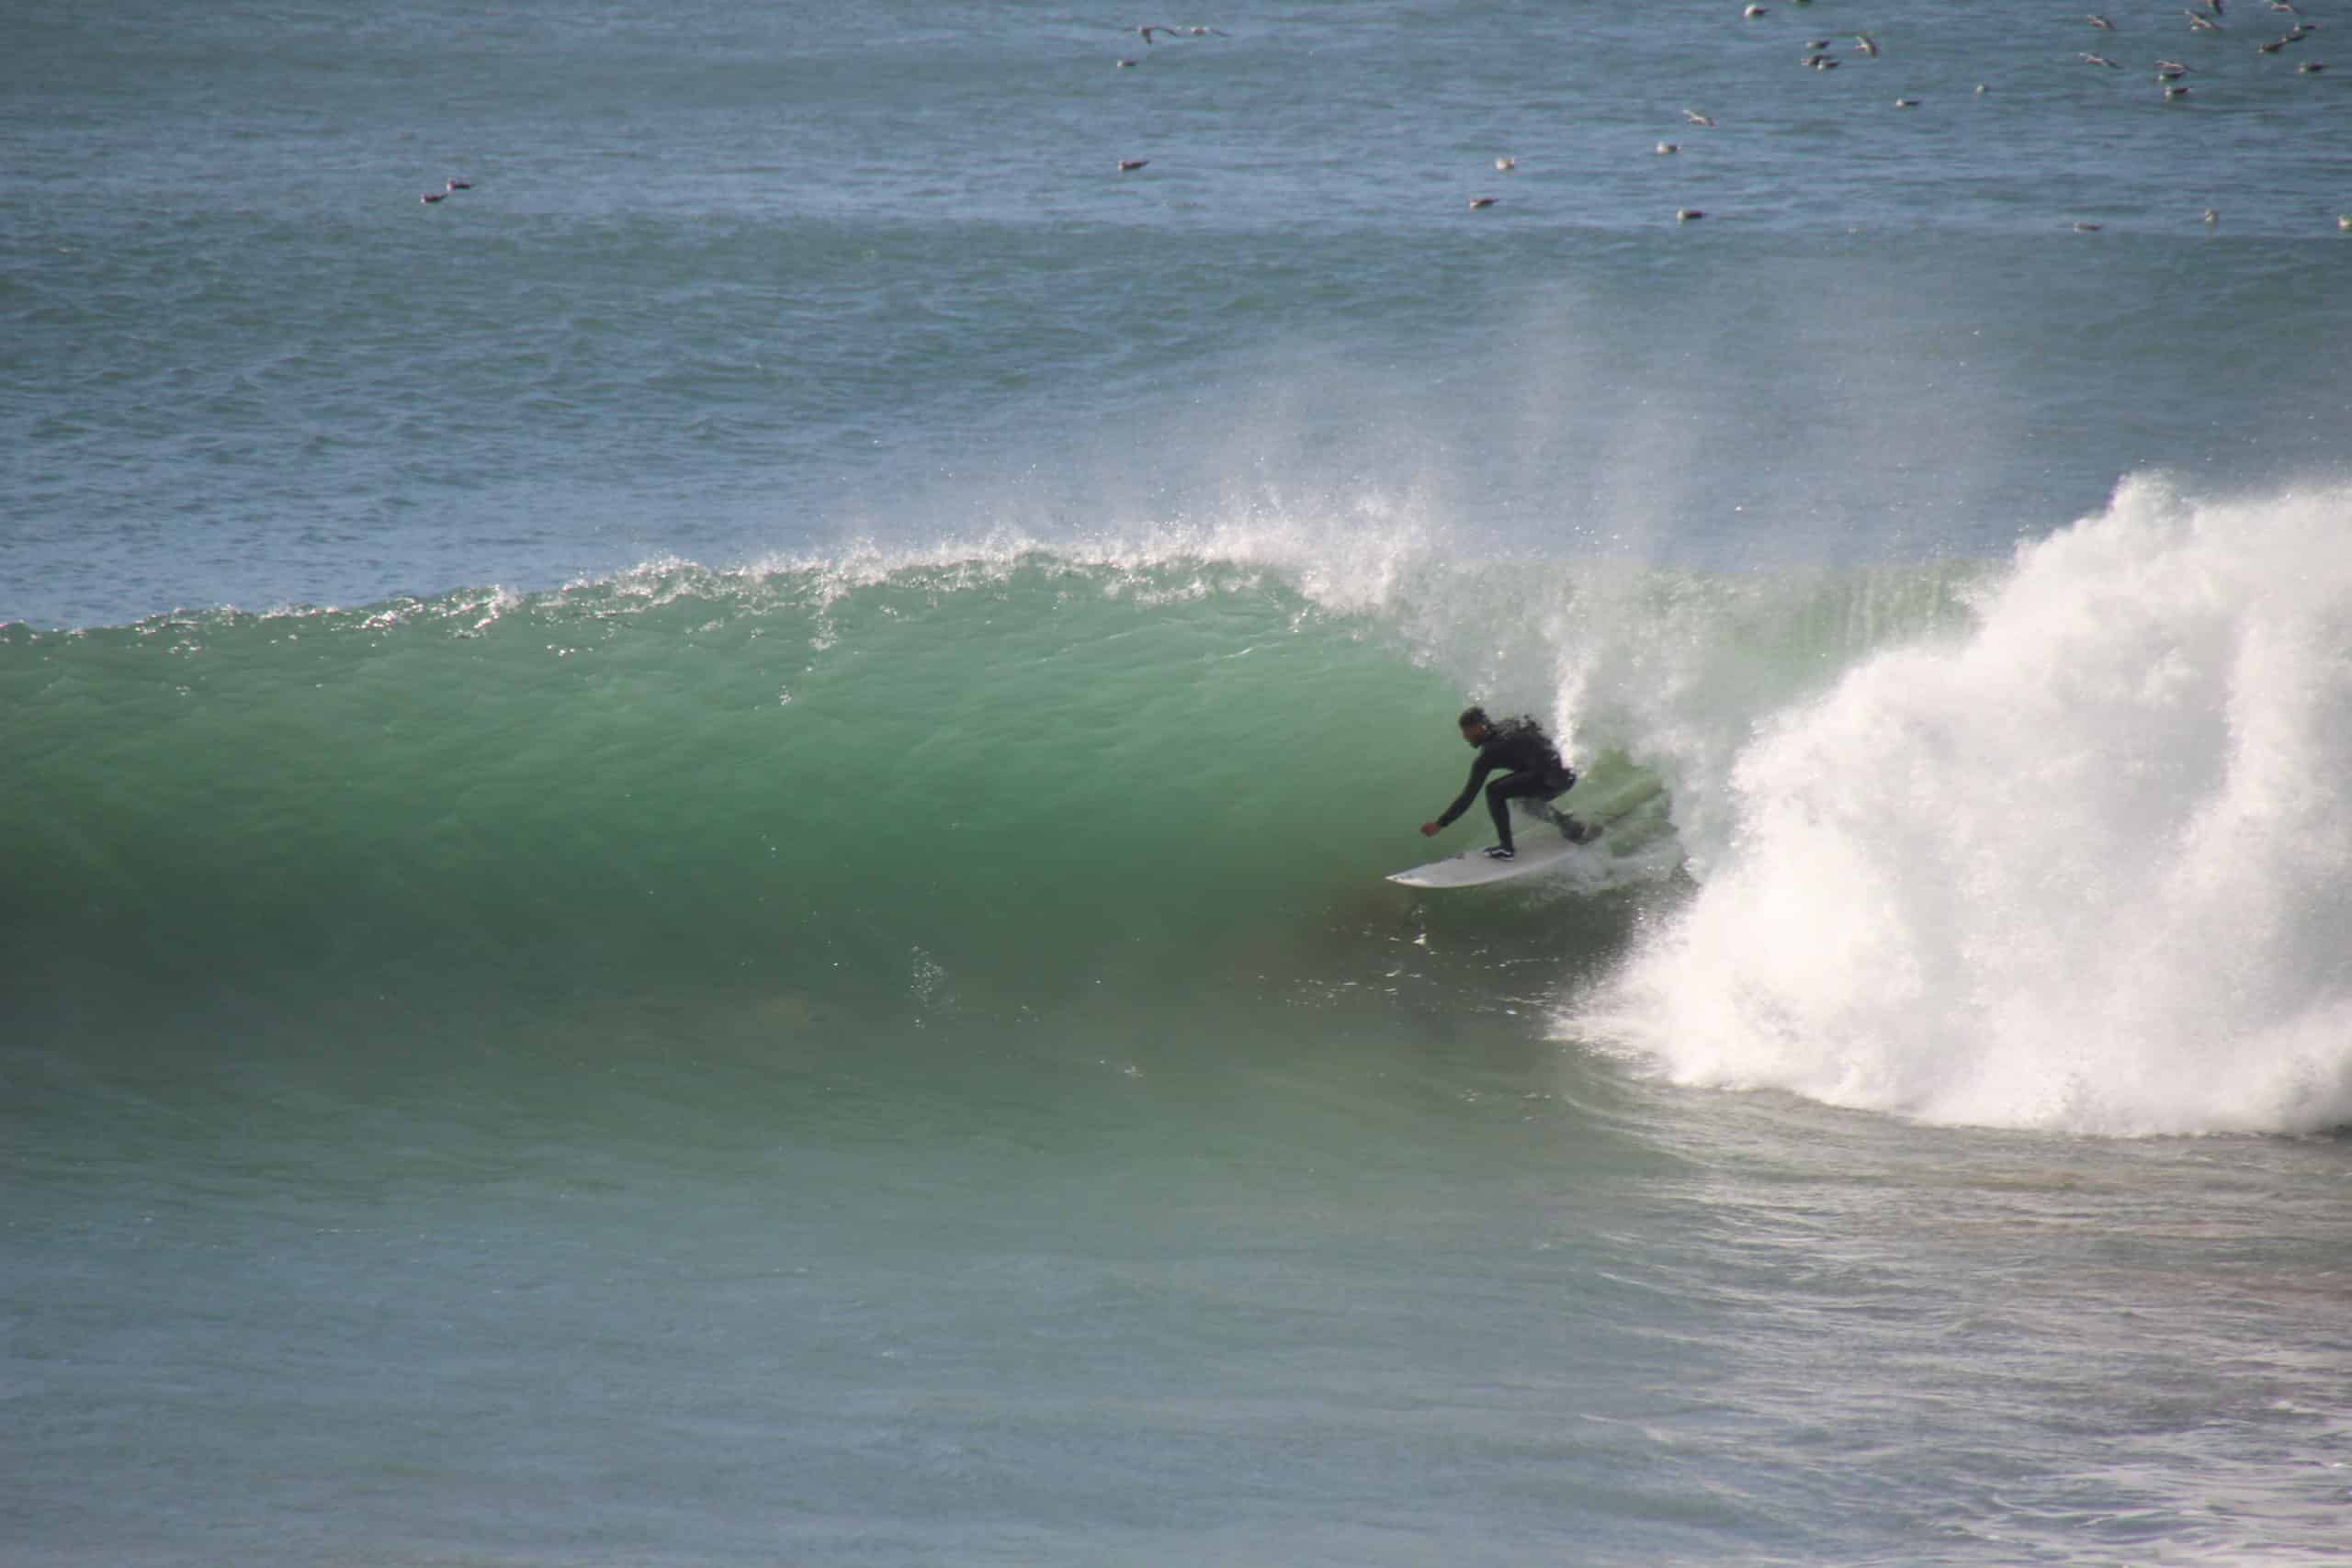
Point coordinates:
pixel 1695 117
pixel 2174 91
pixel 2169 69
pixel 2198 23
pixel 2345 223
pixel 1156 28
pixel 1689 215
pixel 1667 148
pixel 2311 68
pixel 2099 21
pixel 1206 32
pixel 2212 215
pixel 1480 201
pixel 1907 103
pixel 2087 227
pixel 1505 166
pixel 1867 44
pixel 1129 166
pixel 1126 65
pixel 1753 12
pixel 2270 48
pixel 429 198
pixel 1822 62
pixel 2098 59
pixel 458 185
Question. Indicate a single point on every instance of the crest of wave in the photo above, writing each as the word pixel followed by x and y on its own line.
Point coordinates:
pixel 2086 864
pixel 1350 554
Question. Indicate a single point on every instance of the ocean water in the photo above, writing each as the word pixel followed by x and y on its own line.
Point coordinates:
pixel 695 841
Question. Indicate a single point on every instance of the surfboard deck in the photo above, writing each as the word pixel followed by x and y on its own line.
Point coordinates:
pixel 1539 849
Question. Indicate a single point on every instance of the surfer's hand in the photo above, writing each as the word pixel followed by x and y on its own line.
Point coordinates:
pixel 1429 830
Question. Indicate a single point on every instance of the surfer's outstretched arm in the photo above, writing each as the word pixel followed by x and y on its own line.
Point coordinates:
pixel 1478 772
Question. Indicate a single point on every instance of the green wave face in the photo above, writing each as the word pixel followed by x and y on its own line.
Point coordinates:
pixel 1025 773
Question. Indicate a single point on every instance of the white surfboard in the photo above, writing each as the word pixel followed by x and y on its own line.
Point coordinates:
pixel 1539 849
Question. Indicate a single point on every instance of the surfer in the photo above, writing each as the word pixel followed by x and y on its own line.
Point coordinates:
pixel 1533 771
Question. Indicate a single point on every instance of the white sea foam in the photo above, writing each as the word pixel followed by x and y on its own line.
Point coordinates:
pixel 2084 866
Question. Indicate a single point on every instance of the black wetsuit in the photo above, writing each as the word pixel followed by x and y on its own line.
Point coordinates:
pixel 1531 768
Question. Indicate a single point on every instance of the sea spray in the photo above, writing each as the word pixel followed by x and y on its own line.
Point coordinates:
pixel 2083 867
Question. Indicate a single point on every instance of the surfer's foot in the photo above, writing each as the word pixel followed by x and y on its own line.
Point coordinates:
pixel 1501 852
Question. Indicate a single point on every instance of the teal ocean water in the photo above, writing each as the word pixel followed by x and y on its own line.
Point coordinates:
pixel 695 838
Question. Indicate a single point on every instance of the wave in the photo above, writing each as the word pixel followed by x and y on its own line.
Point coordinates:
pixel 2054 842
pixel 2084 862
pixel 1002 772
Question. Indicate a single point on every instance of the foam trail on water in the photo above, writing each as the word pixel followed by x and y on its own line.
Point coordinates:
pixel 2082 865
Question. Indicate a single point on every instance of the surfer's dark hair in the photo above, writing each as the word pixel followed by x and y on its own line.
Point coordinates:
pixel 1472 715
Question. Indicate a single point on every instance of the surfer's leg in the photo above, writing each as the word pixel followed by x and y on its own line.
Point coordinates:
pixel 1538 791
pixel 1556 785
pixel 1510 787
pixel 1498 807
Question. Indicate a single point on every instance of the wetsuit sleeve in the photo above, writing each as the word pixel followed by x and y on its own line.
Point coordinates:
pixel 1478 772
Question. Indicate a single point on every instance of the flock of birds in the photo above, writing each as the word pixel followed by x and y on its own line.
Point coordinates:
pixel 2203 16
